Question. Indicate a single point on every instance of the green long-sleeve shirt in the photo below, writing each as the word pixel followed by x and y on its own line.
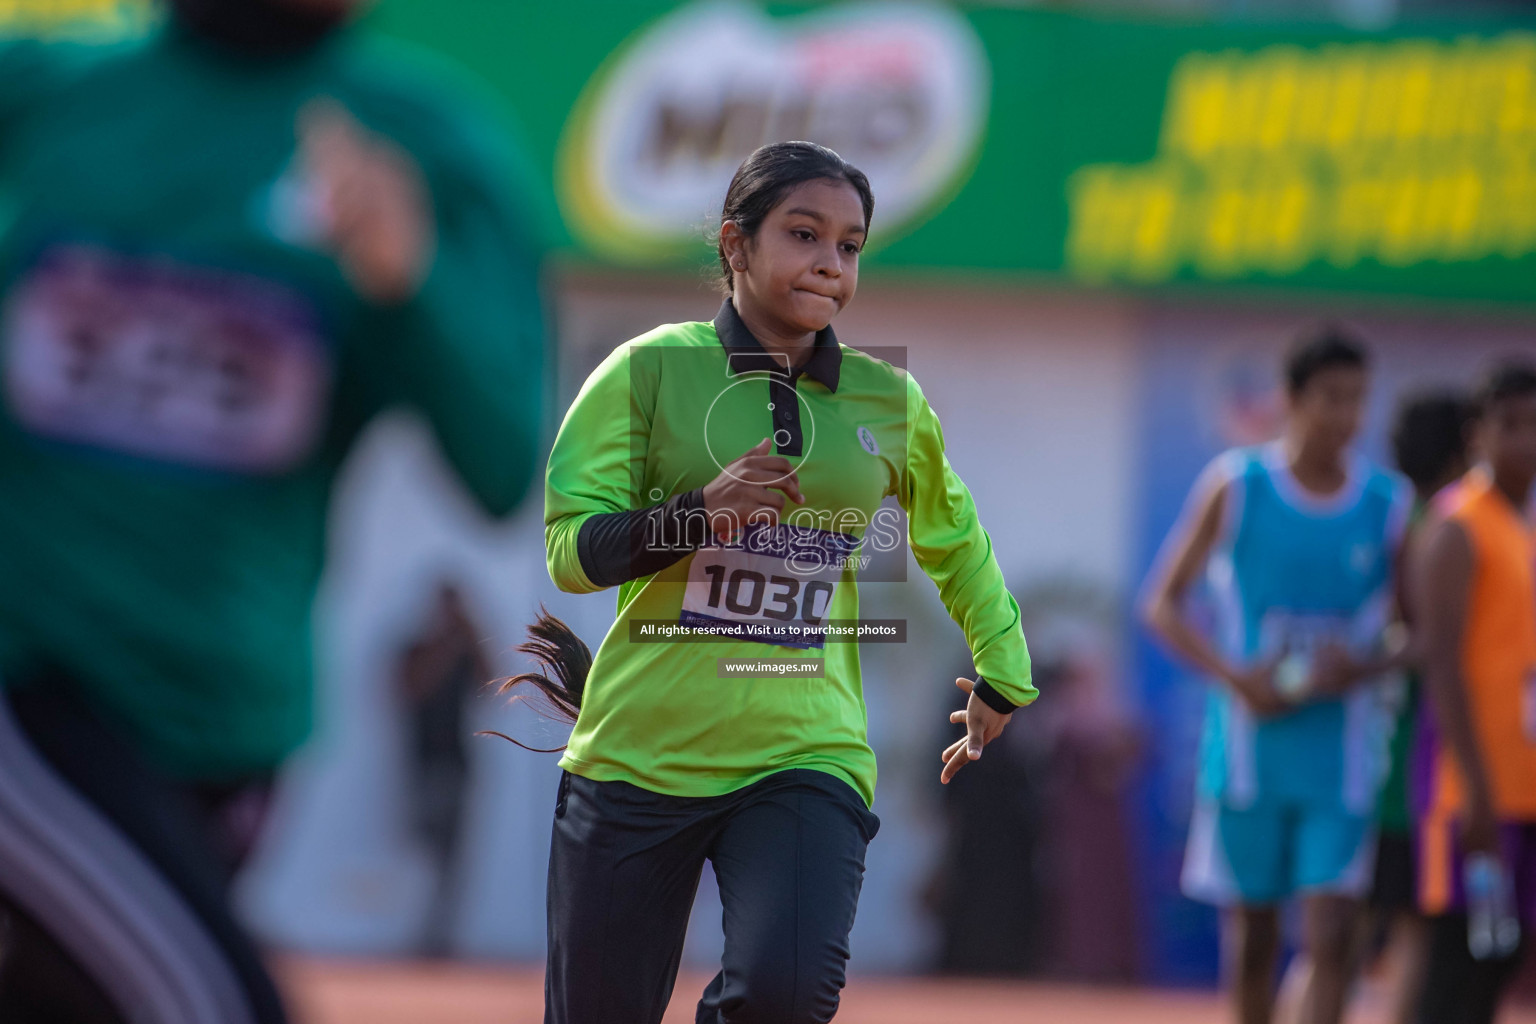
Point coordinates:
pixel 185 367
pixel 661 416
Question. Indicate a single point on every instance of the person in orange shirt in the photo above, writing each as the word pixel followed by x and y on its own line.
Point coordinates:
pixel 1473 593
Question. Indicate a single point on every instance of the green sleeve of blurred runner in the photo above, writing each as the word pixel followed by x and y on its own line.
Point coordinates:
pixel 950 544
pixel 31 69
pixel 468 350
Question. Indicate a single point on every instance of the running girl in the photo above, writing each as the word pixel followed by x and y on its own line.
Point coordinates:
pixel 717 473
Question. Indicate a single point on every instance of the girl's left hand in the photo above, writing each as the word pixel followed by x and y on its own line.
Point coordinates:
pixel 982 726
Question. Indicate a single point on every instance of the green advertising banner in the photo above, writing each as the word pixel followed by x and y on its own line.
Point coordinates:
pixel 81 21
pixel 1017 141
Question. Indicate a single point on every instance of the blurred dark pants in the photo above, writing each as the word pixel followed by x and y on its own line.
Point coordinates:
pixel 788 853
pixel 114 880
pixel 1458 989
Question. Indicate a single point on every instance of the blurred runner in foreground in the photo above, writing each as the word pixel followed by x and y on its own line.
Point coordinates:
pixel 1429 444
pixel 227 247
pixel 1475 599
pixel 1299 541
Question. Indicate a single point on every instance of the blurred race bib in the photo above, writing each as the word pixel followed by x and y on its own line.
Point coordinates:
pixel 774 585
pixel 157 359
pixel 1303 634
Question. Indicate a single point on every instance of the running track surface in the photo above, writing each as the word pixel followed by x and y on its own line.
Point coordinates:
pixel 339 992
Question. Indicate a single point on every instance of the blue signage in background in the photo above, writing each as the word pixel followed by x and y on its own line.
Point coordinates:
pixel 1181 945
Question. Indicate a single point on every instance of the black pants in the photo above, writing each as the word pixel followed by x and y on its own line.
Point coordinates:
pixel 114 880
pixel 624 866
pixel 1458 989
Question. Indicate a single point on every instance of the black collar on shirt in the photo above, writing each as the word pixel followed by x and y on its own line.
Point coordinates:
pixel 747 354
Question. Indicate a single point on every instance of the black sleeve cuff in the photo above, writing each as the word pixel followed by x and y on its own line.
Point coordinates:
pixel 616 547
pixel 992 699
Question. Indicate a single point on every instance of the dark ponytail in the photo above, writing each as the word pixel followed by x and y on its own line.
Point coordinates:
pixel 770 173
pixel 563 655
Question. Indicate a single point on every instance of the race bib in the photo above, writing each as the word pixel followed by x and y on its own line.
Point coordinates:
pixel 774 585
pixel 148 357
pixel 1303 634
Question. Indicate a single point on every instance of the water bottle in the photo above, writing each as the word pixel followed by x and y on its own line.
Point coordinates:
pixel 1493 929
pixel 1293 677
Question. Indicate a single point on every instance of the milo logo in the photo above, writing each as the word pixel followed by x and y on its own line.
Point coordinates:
pixel 899 89
pixel 96 21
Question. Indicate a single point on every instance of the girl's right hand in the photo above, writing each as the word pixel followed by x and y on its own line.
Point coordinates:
pixel 747 490
pixel 982 726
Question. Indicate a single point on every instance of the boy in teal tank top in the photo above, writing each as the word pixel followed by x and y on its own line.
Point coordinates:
pixel 1298 542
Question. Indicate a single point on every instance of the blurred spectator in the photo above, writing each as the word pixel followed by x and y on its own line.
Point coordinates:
pixel 1046 820
pixel 439 671
pixel 1093 751
pixel 993 839
pixel 1429 445
pixel 227 246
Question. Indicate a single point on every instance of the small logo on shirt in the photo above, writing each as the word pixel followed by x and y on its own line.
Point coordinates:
pixel 1362 557
pixel 867 439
